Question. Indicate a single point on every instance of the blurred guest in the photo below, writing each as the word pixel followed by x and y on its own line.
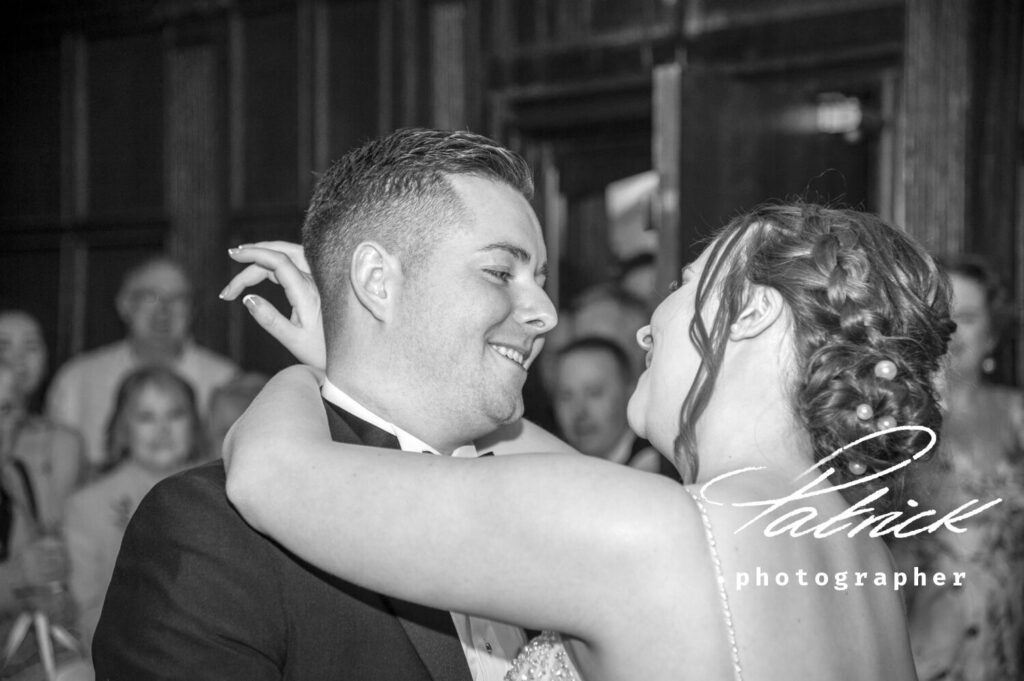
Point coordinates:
pixel 154 431
pixel 51 454
pixel 610 312
pixel 226 404
pixel 22 346
pixel 593 380
pixel 603 311
pixel 638 277
pixel 155 302
pixel 39 465
pixel 973 632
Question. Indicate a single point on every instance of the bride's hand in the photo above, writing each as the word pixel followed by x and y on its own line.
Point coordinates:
pixel 284 264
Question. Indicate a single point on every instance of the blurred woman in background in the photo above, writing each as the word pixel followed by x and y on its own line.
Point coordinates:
pixel 154 431
pixel 41 464
pixel 973 632
pixel 51 455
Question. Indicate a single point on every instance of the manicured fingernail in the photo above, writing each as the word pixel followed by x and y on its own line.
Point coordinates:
pixel 223 293
pixel 250 303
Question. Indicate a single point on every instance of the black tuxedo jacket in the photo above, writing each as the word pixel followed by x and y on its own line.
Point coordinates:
pixel 198 595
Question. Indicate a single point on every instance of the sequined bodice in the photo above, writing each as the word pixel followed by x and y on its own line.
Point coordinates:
pixel 543 659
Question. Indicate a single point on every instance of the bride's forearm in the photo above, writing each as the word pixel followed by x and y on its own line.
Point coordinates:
pixel 278 434
pixel 396 522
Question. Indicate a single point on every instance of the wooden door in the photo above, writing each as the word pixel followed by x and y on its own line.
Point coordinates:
pixel 725 141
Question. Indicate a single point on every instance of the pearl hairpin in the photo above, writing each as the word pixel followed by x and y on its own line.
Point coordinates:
pixel 886 369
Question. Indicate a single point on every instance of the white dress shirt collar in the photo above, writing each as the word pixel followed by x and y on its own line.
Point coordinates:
pixel 406 441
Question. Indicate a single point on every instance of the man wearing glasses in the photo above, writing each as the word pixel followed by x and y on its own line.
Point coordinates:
pixel 155 303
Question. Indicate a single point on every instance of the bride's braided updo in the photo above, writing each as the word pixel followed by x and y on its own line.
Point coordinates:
pixel 870 324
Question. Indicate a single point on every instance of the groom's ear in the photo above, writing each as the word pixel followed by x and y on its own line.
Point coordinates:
pixel 375 277
pixel 763 308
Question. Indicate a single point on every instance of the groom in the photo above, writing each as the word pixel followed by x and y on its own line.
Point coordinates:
pixel 430 263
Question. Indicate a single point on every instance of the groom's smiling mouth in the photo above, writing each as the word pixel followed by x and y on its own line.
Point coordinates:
pixel 515 355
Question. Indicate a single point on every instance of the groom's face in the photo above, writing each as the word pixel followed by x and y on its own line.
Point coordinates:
pixel 475 311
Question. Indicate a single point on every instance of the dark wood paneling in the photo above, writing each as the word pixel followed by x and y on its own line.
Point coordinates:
pixel 125 125
pixel 271 95
pixel 761 144
pixel 994 167
pixel 936 95
pixel 786 40
pixel 613 15
pixel 553 24
pixel 195 180
pixel 353 75
pixel 30 133
pixel 996 73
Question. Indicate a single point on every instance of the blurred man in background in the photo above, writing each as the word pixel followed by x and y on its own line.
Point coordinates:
pixel 593 379
pixel 155 303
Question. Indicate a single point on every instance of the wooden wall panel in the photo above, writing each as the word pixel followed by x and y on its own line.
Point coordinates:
pixel 270 100
pixel 937 96
pixel 353 75
pixel 996 159
pixel 196 188
pixel 30 134
pixel 125 85
pixel 448 65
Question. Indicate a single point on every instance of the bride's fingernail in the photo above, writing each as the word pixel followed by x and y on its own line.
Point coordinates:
pixel 223 293
pixel 250 303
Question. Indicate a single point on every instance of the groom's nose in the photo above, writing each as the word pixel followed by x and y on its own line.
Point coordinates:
pixel 534 309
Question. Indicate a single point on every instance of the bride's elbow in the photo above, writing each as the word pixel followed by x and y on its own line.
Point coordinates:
pixel 246 485
pixel 244 492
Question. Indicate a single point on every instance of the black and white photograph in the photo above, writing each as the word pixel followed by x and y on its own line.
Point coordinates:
pixel 512 340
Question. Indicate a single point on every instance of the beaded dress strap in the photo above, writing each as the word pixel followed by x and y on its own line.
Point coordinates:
pixel 737 670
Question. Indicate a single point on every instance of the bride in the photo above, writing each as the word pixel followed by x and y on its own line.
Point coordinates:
pixel 799 330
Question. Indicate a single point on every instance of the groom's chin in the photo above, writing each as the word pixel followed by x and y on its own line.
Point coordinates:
pixel 507 412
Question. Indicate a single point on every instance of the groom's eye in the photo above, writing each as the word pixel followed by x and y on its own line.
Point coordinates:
pixel 500 275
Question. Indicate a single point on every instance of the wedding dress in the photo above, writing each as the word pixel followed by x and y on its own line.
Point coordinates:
pixel 545 658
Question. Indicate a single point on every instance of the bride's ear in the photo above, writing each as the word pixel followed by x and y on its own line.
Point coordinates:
pixel 763 308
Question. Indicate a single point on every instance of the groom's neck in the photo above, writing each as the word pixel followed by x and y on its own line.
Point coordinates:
pixel 399 407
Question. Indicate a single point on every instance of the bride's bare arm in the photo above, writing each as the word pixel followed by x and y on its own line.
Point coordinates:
pixel 542 540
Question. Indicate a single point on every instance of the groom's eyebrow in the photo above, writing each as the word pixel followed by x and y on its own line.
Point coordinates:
pixel 520 254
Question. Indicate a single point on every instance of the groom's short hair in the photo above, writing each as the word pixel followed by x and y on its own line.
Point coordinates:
pixel 395 190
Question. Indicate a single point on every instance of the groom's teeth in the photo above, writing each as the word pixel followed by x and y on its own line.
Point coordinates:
pixel 510 353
